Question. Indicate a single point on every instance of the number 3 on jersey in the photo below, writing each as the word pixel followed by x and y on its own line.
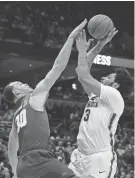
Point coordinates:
pixel 86 114
pixel 21 120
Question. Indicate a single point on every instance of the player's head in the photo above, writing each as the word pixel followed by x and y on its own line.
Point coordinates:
pixel 15 91
pixel 119 79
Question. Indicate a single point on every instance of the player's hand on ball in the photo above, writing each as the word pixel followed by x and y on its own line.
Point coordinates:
pixel 81 43
pixel 109 37
pixel 77 30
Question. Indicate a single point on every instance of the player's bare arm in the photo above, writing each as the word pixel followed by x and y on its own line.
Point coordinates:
pixel 13 146
pixel 82 45
pixel 83 71
pixel 39 95
pixel 99 46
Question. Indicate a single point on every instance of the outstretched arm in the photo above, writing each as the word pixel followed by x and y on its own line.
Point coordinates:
pixel 39 95
pixel 99 46
pixel 85 62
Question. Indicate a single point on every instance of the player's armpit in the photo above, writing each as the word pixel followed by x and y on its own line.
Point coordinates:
pixel 91 84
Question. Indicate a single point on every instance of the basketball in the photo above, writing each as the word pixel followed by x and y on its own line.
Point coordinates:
pixel 99 26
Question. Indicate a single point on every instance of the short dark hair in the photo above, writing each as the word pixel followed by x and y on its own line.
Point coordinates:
pixel 7 100
pixel 8 95
pixel 125 80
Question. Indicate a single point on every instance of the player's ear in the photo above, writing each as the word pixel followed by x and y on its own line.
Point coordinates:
pixel 116 85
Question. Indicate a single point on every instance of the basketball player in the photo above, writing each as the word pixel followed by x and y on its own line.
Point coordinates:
pixel 30 129
pixel 95 156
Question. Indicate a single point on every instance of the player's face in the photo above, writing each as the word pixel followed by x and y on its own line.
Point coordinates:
pixel 23 88
pixel 109 79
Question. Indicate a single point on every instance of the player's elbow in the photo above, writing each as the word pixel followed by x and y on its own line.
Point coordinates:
pixel 84 76
pixel 82 73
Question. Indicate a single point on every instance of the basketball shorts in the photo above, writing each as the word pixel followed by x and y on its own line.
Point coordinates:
pixel 97 165
pixel 41 164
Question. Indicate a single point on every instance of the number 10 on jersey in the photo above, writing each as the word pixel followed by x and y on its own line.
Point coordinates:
pixel 21 120
pixel 86 114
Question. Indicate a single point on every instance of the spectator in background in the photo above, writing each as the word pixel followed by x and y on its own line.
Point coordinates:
pixel 62 146
pixel 60 153
pixel 67 94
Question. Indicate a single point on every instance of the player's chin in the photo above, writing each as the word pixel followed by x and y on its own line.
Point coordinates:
pixel 101 81
pixel 104 83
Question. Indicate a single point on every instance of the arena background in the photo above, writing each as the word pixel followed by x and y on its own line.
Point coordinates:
pixel 31 36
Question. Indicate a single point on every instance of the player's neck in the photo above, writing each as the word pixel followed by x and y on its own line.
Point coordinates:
pixel 19 99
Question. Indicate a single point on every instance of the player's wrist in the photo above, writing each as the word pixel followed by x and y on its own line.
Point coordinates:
pixel 100 45
pixel 82 51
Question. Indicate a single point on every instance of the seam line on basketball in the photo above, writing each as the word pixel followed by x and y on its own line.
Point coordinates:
pixel 99 24
pixel 106 30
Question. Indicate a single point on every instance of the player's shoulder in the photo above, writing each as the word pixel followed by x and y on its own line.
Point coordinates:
pixel 113 91
pixel 116 93
pixel 120 104
pixel 114 97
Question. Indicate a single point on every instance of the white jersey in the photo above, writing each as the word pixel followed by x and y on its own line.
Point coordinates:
pixel 99 121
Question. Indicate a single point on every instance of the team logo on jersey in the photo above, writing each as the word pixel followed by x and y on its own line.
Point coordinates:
pixel 93 102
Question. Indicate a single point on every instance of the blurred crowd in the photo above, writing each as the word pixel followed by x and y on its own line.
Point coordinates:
pixel 64 121
pixel 124 146
pixel 70 92
pixel 49 24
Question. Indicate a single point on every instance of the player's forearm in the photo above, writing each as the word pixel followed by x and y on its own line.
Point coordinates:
pixel 64 55
pixel 93 53
pixel 83 69
pixel 60 64
pixel 82 59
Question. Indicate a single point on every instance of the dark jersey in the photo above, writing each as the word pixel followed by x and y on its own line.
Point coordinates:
pixel 32 127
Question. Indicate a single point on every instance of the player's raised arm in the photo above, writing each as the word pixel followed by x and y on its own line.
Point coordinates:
pixel 38 97
pixel 109 95
pixel 13 146
pixel 99 46
pixel 83 70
